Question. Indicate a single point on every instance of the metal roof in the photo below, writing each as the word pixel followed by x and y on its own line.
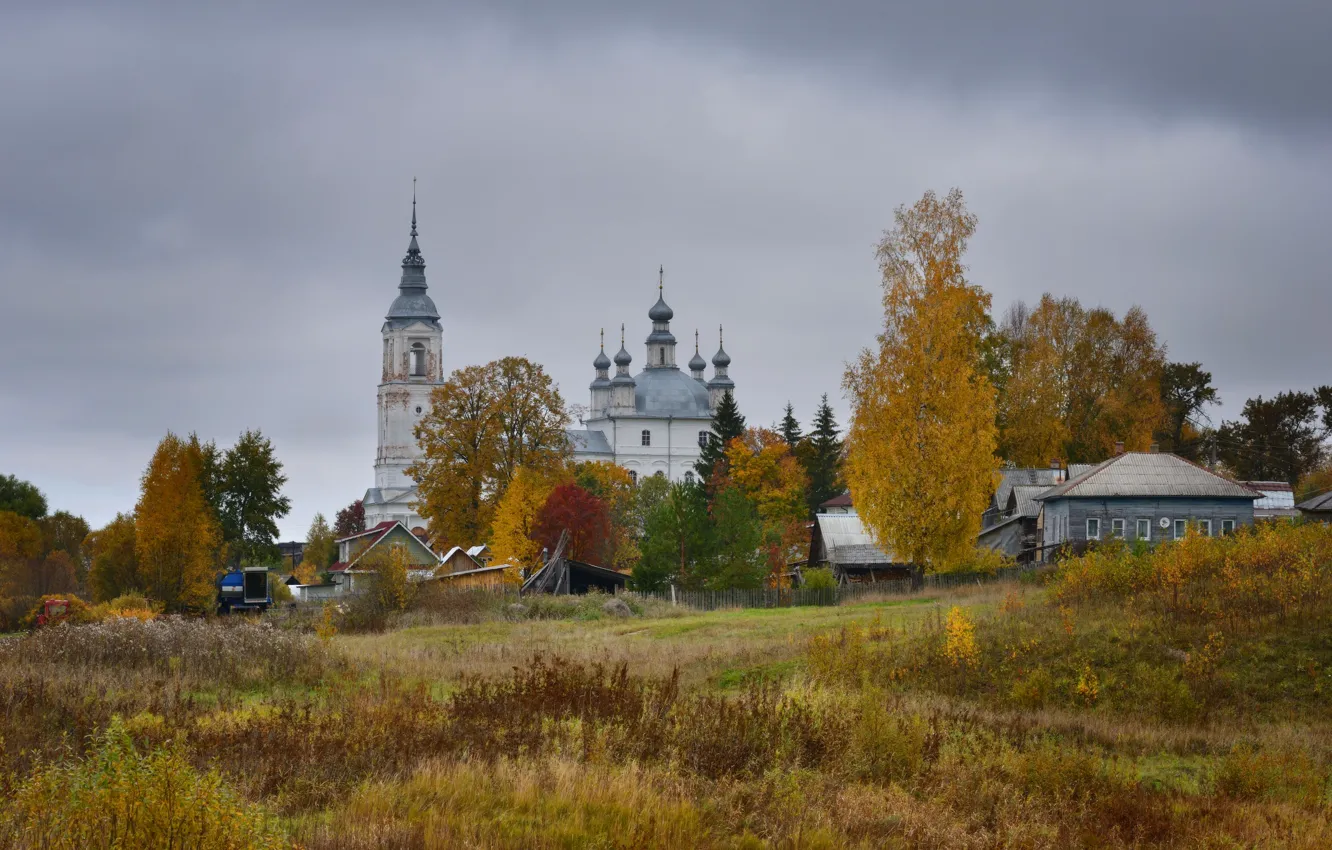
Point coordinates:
pixel 1025 496
pixel 1032 476
pixel 1150 475
pixel 587 441
pixel 1276 494
pixel 847 542
pixel 1317 503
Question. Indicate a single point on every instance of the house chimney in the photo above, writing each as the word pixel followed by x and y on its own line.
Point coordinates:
pixel 1119 447
pixel 1058 475
pixel 1156 448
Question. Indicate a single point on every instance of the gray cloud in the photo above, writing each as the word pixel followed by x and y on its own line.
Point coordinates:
pixel 201 214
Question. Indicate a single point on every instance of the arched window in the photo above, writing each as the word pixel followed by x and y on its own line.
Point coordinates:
pixel 658 474
pixel 689 478
pixel 633 477
pixel 663 356
pixel 647 437
pixel 418 360
pixel 703 439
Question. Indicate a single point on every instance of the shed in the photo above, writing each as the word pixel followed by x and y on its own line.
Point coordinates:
pixel 456 560
pixel 1317 508
pixel 1276 502
pixel 561 575
pixel 480 578
pixel 840 542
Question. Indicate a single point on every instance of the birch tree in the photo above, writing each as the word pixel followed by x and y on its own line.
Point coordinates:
pixel 920 447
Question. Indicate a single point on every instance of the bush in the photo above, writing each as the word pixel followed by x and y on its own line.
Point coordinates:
pixel 77 612
pixel 118 797
pixel 819 578
pixel 133 605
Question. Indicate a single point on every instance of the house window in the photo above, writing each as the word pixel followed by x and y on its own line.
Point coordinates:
pixel 1117 529
pixel 703 439
pixel 1181 528
pixel 1093 528
pixel 633 477
pixel 418 360
pixel 1205 527
pixel 647 437
pixel 1144 529
pixel 1227 526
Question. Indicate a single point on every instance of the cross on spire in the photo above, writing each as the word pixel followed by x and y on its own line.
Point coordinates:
pixel 696 340
pixel 661 274
pixel 621 334
pixel 603 339
pixel 719 335
pixel 413 206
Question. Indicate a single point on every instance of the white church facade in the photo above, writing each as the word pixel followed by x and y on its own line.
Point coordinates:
pixel 412 368
pixel 652 423
pixel 655 422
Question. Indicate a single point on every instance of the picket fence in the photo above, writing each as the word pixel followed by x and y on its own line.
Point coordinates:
pixel 712 600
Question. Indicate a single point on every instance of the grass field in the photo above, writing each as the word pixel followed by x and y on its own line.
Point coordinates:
pixel 1120 706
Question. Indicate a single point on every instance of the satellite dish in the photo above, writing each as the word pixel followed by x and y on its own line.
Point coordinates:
pixel 1165 522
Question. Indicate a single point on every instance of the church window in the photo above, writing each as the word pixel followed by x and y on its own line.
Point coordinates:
pixel 647 437
pixel 633 477
pixel 702 439
pixel 689 478
pixel 663 357
pixel 418 360
pixel 418 409
pixel 659 474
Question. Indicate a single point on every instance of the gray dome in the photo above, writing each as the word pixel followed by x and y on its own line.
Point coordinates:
pixel 721 358
pixel 660 312
pixel 622 357
pixel 670 392
pixel 697 364
pixel 602 361
pixel 412 304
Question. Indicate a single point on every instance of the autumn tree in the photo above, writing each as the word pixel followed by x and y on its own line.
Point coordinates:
pixel 21 497
pixel 320 551
pixel 390 589
pixel 1077 382
pixel 485 423
pixel 586 518
pixel 1278 439
pixel 611 483
pixel 766 471
pixel 176 532
pixel 113 567
pixel 677 537
pixel 920 450
pixel 350 520
pixel 515 524
pixel 65 532
pixel 251 500
pixel 727 425
pixel 1185 390
pixel 821 453
pixel 27 566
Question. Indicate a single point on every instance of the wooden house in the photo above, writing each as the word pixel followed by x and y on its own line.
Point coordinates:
pixel 355 554
pixel 840 543
pixel 1146 496
pixel 1319 508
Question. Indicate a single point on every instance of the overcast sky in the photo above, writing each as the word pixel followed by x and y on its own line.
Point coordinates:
pixel 202 213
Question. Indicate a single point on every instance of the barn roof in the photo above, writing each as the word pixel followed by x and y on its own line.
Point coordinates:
pixel 846 541
pixel 1148 474
pixel 1321 503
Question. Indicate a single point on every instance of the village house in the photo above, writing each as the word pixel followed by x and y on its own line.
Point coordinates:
pixel 1146 496
pixel 1318 508
pixel 1276 500
pixel 839 542
pixel 353 565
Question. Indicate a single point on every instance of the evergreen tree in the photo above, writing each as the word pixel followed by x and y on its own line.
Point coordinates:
pixel 21 497
pixel 790 428
pixel 677 539
pixel 823 457
pixel 739 556
pixel 727 424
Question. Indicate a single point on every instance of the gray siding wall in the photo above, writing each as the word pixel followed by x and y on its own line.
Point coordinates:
pixel 1078 511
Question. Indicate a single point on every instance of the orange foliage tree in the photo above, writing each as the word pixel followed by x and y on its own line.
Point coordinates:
pixel 176 533
pixel 762 465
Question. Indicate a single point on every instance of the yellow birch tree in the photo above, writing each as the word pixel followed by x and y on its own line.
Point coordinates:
pixel 176 534
pixel 920 448
pixel 516 517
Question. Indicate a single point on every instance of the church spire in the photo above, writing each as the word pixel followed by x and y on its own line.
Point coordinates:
pixel 414 258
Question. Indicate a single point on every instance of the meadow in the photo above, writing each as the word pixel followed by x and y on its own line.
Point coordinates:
pixel 1124 699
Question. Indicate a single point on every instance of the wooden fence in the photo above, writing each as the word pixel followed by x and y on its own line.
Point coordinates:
pixel 712 600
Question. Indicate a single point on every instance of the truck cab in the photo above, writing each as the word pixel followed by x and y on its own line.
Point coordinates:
pixel 245 589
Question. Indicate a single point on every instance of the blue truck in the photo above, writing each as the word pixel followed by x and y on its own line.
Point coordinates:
pixel 245 589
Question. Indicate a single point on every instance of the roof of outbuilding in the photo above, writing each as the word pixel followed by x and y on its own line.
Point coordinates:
pixel 1025 497
pixel 847 542
pixel 1150 475
pixel 1320 503
pixel 842 501
pixel 587 441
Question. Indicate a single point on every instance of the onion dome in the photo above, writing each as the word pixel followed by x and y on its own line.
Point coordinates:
pixel 622 357
pixel 602 362
pixel 697 364
pixel 660 311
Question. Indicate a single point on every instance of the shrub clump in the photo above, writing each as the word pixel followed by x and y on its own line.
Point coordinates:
pixel 118 797
pixel 232 652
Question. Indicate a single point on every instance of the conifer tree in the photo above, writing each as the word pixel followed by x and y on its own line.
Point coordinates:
pixel 727 424
pixel 790 428
pixel 251 499
pixel 823 457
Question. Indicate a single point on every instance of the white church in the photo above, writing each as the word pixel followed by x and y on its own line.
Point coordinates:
pixel 652 423
pixel 655 422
